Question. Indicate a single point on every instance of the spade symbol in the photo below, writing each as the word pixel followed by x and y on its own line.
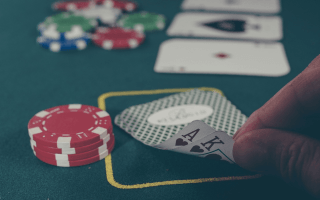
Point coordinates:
pixel 180 142
pixel 231 25
pixel 197 149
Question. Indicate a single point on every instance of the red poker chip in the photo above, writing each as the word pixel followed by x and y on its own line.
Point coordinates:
pixel 67 126
pixel 107 140
pixel 74 157
pixel 75 163
pixel 72 5
pixel 122 5
pixel 117 38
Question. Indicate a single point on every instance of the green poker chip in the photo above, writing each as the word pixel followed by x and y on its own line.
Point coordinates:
pixel 143 21
pixel 65 21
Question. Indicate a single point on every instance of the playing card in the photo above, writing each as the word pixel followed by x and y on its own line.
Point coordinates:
pixel 252 6
pixel 201 56
pixel 155 122
pixel 217 145
pixel 197 24
pixel 191 133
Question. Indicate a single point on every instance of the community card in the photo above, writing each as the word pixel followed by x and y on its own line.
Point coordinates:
pixel 155 122
pixel 217 145
pixel 250 6
pixel 199 56
pixel 249 27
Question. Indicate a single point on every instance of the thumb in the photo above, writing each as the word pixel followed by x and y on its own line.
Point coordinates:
pixel 295 158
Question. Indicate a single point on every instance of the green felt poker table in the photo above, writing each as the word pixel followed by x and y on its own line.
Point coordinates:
pixel 33 79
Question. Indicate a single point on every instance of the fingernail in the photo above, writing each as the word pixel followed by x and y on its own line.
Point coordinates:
pixel 238 131
pixel 241 130
pixel 249 125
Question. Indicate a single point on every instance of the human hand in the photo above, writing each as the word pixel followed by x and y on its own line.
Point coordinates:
pixel 282 137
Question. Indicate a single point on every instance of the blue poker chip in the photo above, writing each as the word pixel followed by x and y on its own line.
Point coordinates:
pixel 63 44
pixel 51 39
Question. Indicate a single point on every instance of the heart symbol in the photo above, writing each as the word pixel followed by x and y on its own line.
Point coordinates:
pixel 196 148
pixel 213 156
pixel 180 142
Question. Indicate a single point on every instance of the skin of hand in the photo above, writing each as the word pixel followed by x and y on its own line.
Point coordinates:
pixel 282 137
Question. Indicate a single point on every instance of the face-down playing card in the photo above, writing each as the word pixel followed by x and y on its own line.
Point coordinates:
pixel 163 123
pixel 201 56
pixel 249 27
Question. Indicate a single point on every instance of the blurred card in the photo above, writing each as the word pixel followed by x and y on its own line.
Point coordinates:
pixel 197 24
pixel 251 6
pixel 200 56
pixel 156 122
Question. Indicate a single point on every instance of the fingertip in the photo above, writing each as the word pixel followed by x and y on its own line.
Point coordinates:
pixel 250 153
pixel 237 133
pixel 252 123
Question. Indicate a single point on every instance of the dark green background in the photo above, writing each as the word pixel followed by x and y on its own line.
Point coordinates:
pixel 33 79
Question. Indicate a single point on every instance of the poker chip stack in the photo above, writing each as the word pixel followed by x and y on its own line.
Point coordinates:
pixel 71 135
pixel 98 20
